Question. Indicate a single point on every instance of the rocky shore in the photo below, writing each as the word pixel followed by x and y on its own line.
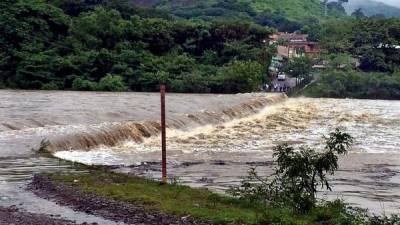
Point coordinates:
pixel 113 210
pixel 12 215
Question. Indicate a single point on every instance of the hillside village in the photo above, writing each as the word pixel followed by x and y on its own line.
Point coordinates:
pixel 290 46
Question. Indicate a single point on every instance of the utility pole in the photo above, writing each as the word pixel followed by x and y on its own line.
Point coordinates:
pixel 326 7
pixel 163 136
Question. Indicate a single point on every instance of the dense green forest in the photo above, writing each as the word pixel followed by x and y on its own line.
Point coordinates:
pixel 373 42
pixel 352 84
pixel 109 47
pixel 192 46
pixel 218 46
pixel 285 15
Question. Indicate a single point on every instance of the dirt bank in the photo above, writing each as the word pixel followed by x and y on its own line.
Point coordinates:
pixel 99 206
pixel 12 215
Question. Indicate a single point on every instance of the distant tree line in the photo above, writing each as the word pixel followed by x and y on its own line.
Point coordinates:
pixel 373 43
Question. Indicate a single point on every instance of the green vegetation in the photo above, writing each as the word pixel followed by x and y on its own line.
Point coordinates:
pixel 342 84
pixel 212 46
pixel 373 8
pixel 288 199
pixel 202 204
pixel 373 43
pixel 299 66
pixel 107 83
pixel 297 175
pixel 285 15
pixel 292 9
pixel 106 49
pixel 175 199
pixel 115 46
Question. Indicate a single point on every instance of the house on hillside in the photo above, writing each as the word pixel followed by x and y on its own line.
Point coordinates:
pixel 291 45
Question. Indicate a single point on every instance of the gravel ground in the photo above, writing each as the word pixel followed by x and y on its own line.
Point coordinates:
pixel 12 215
pixel 114 210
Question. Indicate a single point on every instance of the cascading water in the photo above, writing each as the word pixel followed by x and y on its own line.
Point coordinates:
pixel 212 139
pixel 216 156
pixel 85 121
pixel 111 134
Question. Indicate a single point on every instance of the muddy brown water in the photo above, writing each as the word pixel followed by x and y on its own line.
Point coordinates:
pixel 212 140
pixel 84 120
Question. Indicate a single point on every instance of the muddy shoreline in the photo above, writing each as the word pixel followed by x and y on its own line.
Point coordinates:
pixel 93 204
pixel 12 215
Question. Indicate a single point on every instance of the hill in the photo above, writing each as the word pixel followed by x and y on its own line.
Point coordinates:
pixel 294 10
pixel 371 8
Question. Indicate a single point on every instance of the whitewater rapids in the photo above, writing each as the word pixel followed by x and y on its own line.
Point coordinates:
pixel 212 139
pixel 216 156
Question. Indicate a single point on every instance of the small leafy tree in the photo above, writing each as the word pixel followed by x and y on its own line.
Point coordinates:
pixel 340 61
pixel 241 76
pixel 111 83
pixel 299 66
pixel 80 84
pixel 297 175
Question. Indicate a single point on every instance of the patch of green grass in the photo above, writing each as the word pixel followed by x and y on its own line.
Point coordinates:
pixel 174 199
pixel 183 200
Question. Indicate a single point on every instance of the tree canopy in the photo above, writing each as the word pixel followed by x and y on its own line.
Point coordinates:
pixel 93 47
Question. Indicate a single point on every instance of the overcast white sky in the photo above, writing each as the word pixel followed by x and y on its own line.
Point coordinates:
pixel 391 2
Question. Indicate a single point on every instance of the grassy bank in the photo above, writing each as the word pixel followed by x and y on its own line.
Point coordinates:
pixel 199 203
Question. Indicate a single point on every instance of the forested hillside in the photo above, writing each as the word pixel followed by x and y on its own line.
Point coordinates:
pixel 218 46
pixel 374 43
pixel 110 48
pixel 291 9
pixel 372 8
pixel 285 15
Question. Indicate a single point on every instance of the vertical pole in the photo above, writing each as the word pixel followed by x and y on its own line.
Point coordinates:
pixel 163 136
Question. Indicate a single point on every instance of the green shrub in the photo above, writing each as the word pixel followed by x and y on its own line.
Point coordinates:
pixel 50 86
pixel 80 84
pixel 111 83
pixel 241 76
pixel 297 175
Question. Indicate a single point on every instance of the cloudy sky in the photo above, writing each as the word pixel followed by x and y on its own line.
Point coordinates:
pixel 391 2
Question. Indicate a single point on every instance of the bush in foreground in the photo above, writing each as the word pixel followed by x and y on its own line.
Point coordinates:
pixel 297 174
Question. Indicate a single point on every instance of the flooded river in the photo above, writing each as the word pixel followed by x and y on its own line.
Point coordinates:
pixel 212 139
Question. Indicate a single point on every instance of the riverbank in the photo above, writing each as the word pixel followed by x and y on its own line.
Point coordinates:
pixel 12 215
pixel 134 200
pixel 99 193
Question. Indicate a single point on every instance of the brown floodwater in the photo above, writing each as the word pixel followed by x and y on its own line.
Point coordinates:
pixel 85 120
pixel 212 139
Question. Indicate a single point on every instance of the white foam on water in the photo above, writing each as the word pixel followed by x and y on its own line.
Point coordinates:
pixel 375 125
pixel 297 121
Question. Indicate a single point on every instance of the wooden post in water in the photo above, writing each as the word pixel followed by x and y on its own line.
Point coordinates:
pixel 163 136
